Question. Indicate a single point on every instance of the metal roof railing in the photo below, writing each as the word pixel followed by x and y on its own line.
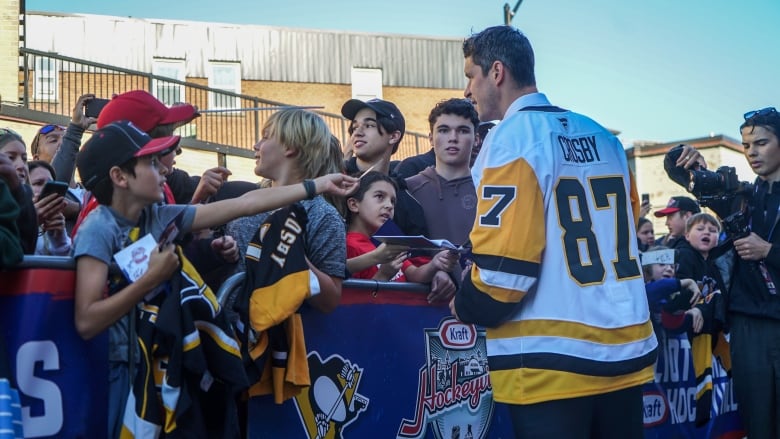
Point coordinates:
pixel 52 83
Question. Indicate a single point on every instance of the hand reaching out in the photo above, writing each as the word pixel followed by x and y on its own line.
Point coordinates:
pixel 442 288
pixel 690 284
pixel 698 319
pixel 386 253
pixel 336 184
pixel 446 260
pixel 388 270
pixel 209 183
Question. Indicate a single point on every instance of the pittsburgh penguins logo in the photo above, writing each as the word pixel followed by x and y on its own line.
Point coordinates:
pixel 331 402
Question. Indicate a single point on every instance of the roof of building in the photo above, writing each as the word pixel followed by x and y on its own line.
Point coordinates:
pixel 321 56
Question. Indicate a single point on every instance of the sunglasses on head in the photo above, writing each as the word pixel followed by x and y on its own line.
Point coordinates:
pixel 762 112
pixel 46 129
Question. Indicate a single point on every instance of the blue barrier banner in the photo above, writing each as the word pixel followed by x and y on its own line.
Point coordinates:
pixel 62 380
pixel 670 401
pixel 387 364
pixel 383 364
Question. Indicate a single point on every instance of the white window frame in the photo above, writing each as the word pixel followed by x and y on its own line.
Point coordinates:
pixel 46 71
pixel 217 83
pixel 366 83
pixel 170 68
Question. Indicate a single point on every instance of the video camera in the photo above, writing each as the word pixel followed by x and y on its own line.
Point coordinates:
pixel 720 191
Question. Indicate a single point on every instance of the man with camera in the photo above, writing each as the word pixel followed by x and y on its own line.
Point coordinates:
pixel 753 305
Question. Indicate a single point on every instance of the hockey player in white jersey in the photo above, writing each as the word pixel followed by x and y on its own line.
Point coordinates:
pixel 556 277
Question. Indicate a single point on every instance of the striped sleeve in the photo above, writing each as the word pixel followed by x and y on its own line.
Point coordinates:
pixel 508 239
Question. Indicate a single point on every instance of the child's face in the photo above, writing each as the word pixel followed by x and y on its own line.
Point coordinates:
pixel 148 181
pixel 376 207
pixel 662 271
pixel 703 236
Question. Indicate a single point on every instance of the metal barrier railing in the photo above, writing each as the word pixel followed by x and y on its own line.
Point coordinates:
pixel 52 83
pixel 232 282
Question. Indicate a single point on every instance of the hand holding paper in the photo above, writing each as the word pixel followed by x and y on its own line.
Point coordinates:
pixel 163 263
pixel 419 242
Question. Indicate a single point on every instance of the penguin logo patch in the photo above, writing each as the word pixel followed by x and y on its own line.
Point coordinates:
pixel 331 403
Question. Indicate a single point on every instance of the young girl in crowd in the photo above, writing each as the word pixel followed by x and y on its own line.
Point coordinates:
pixel 644 234
pixel 13 148
pixel 667 294
pixel 53 239
pixel 368 208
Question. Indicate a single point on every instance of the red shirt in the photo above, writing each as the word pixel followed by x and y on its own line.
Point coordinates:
pixel 359 244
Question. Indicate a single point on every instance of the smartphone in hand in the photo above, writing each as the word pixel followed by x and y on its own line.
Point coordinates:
pixel 645 198
pixel 94 106
pixel 53 187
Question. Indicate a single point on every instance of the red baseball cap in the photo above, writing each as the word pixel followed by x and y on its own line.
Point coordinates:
pixel 676 204
pixel 144 110
pixel 114 144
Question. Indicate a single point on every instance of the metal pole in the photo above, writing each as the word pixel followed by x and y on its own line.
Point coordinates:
pixel 509 13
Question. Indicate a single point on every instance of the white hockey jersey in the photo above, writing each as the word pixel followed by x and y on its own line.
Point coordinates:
pixel 556 275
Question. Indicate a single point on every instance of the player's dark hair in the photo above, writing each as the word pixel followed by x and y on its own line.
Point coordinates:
pixel 506 44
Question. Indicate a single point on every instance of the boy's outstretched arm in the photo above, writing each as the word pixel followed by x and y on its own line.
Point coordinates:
pixel 94 312
pixel 263 200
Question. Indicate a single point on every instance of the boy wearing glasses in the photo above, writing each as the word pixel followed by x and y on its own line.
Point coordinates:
pixel 46 142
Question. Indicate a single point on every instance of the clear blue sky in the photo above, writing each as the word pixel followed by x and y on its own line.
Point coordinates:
pixel 660 70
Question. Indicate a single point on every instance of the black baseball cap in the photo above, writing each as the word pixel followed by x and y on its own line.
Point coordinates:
pixel 113 145
pixel 387 115
pixel 381 108
pixel 676 204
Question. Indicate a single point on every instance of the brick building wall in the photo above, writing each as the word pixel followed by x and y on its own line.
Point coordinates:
pixel 9 49
pixel 414 103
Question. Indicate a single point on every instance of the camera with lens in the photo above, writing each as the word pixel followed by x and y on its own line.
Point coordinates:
pixel 703 183
pixel 721 191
